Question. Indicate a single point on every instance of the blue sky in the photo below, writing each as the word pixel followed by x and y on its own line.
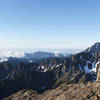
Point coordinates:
pixel 49 23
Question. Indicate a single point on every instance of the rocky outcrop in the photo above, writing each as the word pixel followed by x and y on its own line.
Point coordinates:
pixel 98 75
pixel 23 95
pixel 81 91
pixel 98 72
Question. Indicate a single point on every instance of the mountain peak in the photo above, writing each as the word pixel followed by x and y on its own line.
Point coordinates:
pixel 97 44
pixel 94 48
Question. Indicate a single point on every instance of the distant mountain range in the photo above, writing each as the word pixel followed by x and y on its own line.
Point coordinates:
pixel 24 56
pixel 41 55
pixel 41 71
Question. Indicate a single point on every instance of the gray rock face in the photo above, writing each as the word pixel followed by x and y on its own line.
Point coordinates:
pixel 98 73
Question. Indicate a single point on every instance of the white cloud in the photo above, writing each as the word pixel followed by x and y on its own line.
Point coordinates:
pixel 57 52
pixel 13 54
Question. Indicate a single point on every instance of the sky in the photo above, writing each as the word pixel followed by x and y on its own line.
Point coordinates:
pixel 49 23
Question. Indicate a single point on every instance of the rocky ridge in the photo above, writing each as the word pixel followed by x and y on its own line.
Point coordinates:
pixel 80 91
pixel 90 91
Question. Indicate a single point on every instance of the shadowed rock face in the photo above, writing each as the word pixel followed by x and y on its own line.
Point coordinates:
pixel 90 91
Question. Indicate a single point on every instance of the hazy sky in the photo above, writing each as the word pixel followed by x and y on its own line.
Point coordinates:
pixel 49 23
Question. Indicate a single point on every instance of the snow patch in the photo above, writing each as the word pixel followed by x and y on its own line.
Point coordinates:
pixel 30 61
pixel 59 65
pixel 42 67
pixel 87 70
pixel 45 70
pixel 93 67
